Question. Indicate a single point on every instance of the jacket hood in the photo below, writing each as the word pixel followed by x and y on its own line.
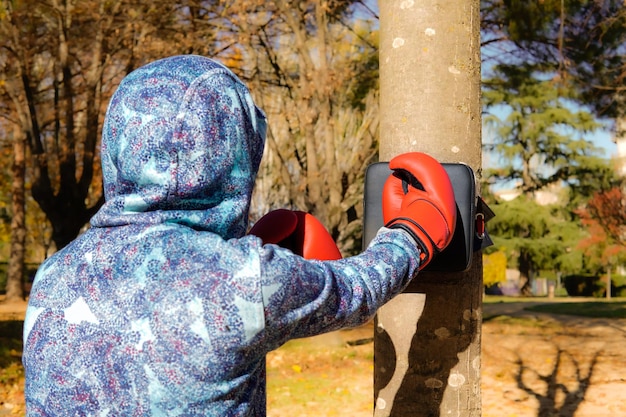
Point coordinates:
pixel 181 142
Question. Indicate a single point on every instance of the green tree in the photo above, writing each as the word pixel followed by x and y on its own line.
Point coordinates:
pixel 538 133
pixel 552 67
pixel 536 237
pixel 580 41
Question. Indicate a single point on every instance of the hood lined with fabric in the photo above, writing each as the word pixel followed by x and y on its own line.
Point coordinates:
pixel 181 143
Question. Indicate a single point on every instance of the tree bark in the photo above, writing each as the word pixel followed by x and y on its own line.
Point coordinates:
pixel 427 340
pixel 525 272
pixel 15 272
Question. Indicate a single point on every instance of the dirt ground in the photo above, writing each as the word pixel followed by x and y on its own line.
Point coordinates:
pixel 563 366
pixel 533 365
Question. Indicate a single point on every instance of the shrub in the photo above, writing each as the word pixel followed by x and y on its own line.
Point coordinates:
pixel 581 285
pixel 587 286
pixel 494 268
pixel 618 285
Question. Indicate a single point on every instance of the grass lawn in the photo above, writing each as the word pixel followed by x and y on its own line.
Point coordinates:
pixel 11 370
pixel 614 308
pixel 332 379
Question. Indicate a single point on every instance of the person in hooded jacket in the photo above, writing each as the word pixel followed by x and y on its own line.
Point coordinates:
pixel 165 306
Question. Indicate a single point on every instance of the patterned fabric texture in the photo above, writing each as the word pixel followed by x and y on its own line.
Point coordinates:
pixel 164 307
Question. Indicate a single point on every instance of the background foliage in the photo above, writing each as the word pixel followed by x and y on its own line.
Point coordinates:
pixel 553 73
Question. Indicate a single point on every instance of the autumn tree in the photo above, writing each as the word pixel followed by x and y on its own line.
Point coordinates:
pixel 494 268
pixel 5 197
pixel 312 67
pixel 58 132
pixel 60 62
pixel 14 287
pixel 604 218
pixel 608 208
pixel 5 203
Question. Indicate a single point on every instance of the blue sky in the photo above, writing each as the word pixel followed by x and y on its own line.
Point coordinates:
pixel 604 139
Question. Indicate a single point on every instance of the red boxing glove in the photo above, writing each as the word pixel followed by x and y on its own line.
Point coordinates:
pixel 418 198
pixel 298 231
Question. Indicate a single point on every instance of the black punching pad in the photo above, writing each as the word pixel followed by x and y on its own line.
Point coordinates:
pixel 458 255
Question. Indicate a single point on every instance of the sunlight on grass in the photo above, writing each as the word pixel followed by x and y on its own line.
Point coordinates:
pixel 11 370
pixel 309 378
pixel 523 321
pixel 584 307
pixel 615 309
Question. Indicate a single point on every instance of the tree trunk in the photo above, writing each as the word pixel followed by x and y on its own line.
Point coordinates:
pixel 608 283
pixel 427 340
pixel 525 273
pixel 15 273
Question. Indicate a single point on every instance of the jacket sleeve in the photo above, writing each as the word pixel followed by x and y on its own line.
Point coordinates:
pixel 304 298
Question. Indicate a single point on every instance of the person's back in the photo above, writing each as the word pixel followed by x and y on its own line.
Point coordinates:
pixel 165 307
pixel 146 320
pixel 146 313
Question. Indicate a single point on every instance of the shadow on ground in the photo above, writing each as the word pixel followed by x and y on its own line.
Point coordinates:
pixel 555 395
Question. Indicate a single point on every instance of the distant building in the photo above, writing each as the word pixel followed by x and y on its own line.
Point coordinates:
pixel 550 195
pixel 507 195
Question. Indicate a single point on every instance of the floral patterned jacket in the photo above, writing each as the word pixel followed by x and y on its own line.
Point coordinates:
pixel 164 306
